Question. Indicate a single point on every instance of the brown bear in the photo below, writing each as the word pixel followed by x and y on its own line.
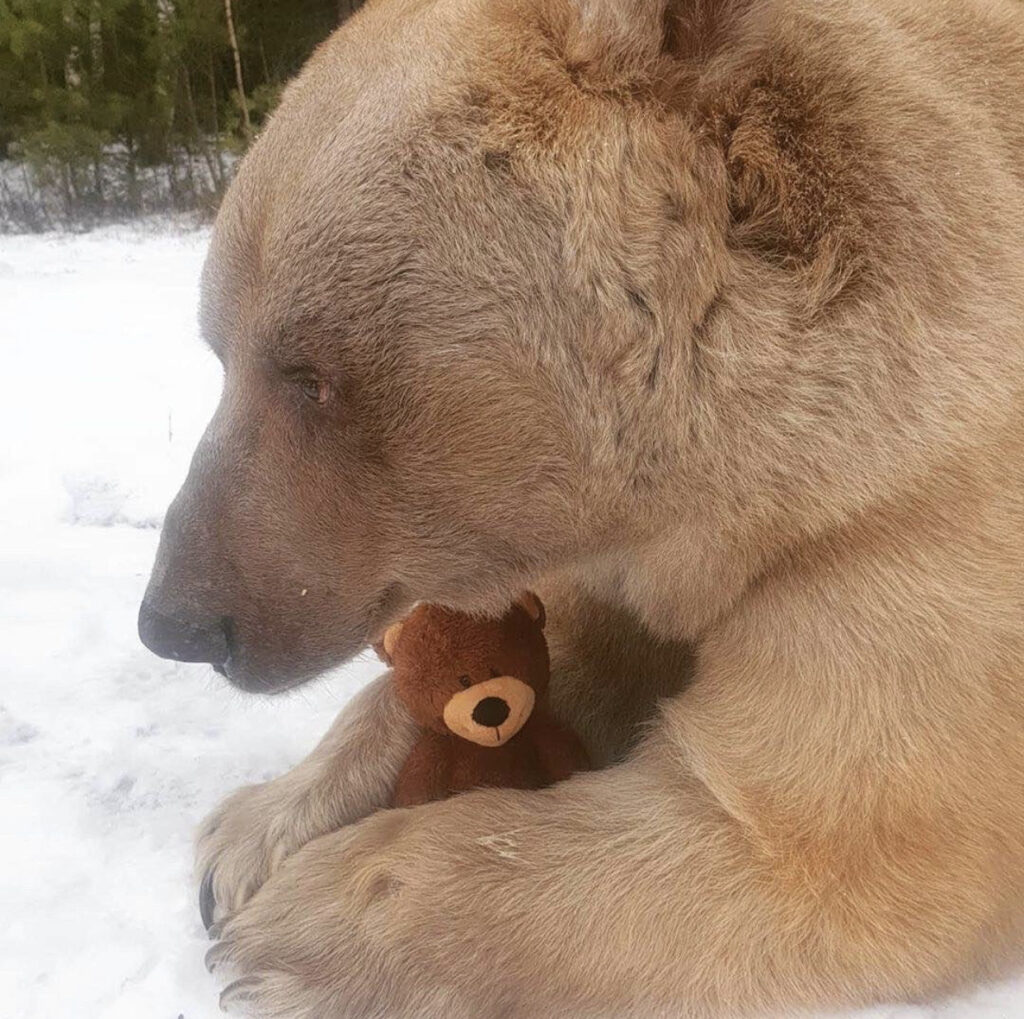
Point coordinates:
pixel 705 320
pixel 477 688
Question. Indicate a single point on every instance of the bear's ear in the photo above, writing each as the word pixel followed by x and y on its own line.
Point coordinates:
pixel 385 647
pixel 624 37
pixel 533 607
pixel 618 35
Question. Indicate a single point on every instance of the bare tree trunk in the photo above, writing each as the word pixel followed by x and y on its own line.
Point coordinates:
pixel 197 134
pixel 72 61
pixel 166 13
pixel 96 41
pixel 263 58
pixel 216 124
pixel 238 70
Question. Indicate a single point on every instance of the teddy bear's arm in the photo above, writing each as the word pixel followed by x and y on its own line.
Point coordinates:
pixel 426 774
pixel 559 748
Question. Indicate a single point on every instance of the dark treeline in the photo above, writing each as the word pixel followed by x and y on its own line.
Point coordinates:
pixel 116 108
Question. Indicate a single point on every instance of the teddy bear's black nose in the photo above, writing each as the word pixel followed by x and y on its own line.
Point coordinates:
pixel 490 711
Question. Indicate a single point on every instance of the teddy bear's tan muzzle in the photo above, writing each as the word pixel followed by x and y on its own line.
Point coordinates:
pixel 492 712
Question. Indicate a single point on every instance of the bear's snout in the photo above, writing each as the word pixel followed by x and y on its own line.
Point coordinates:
pixel 184 640
pixel 492 712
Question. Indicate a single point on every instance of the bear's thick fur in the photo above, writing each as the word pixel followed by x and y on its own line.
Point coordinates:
pixel 707 318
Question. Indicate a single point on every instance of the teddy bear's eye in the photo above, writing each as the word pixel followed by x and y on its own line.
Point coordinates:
pixel 465 681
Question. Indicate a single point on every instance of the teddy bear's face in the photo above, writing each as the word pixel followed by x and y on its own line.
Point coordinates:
pixel 478 678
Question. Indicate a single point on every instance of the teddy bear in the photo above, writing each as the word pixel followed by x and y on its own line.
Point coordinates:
pixel 478 690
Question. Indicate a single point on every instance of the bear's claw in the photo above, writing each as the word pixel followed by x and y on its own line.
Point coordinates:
pixel 207 901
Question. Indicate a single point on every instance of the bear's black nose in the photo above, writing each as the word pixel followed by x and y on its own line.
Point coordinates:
pixel 491 711
pixel 184 640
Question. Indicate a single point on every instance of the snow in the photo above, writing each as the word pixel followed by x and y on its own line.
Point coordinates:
pixel 110 757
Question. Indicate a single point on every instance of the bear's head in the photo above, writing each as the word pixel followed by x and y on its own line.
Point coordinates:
pixel 513 288
pixel 478 678
pixel 441 309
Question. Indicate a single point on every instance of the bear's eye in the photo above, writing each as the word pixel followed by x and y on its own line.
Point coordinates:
pixel 465 681
pixel 317 390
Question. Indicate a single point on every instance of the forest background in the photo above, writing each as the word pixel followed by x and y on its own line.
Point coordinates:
pixel 115 109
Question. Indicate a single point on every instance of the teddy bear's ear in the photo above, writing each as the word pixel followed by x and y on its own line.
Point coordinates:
pixel 385 647
pixel 533 606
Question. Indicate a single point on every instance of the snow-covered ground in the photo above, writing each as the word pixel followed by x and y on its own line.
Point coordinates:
pixel 109 757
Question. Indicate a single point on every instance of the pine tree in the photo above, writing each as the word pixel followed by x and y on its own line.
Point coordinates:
pixel 113 107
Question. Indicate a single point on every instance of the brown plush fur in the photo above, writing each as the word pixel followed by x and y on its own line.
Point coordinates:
pixel 438 654
pixel 708 317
